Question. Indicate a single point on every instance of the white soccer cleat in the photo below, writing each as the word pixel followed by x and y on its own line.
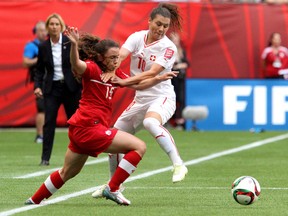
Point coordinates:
pixel 98 193
pixel 116 196
pixel 179 173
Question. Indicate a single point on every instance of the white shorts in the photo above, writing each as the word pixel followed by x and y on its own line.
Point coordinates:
pixel 131 120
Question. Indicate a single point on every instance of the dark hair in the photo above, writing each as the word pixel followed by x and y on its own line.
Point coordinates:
pixel 271 38
pixel 102 47
pixel 86 47
pixel 90 47
pixel 169 11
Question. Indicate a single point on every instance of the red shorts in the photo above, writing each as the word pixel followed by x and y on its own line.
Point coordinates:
pixel 90 140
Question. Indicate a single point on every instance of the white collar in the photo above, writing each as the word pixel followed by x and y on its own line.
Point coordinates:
pixel 59 42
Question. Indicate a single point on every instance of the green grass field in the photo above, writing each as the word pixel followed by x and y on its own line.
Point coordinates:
pixel 205 191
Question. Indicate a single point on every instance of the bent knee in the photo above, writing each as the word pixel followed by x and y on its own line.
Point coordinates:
pixel 149 122
pixel 141 148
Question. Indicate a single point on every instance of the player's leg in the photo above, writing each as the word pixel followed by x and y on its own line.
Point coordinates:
pixel 72 166
pixel 129 122
pixel 157 115
pixel 134 149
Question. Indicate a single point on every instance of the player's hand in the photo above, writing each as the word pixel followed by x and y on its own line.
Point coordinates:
pixel 118 81
pixel 73 34
pixel 168 75
pixel 38 93
pixel 105 77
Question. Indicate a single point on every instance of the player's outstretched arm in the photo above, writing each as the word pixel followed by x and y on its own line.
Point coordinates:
pixel 78 66
pixel 153 72
pixel 148 83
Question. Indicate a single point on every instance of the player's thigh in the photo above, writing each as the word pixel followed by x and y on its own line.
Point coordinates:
pixel 124 142
pixel 130 120
pixel 164 107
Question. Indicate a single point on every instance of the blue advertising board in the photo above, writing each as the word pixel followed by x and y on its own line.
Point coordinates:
pixel 239 104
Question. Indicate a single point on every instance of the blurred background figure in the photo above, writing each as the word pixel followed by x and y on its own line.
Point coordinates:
pixel 181 64
pixel 29 61
pixel 55 81
pixel 275 57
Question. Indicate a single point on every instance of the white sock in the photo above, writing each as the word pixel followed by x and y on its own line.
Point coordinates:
pixel 114 160
pixel 164 139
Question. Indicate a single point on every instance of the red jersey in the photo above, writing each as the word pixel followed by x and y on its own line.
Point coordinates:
pixel 95 104
pixel 274 62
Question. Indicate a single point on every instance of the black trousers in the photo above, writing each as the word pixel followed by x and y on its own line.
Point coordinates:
pixel 60 94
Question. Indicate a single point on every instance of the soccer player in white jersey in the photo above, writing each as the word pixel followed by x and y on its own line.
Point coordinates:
pixel 152 53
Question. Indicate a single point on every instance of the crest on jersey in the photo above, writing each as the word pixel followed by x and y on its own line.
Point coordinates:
pixel 169 53
pixel 108 132
pixel 152 58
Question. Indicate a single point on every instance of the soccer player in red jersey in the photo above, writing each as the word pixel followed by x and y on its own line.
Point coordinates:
pixel 89 131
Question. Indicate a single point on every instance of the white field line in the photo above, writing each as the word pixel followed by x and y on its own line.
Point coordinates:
pixel 198 188
pixel 147 174
pixel 35 174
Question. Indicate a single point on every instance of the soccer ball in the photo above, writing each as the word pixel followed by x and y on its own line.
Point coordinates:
pixel 246 190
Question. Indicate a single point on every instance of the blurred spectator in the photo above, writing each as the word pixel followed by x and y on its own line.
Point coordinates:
pixel 29 61
pixel 181 64
pixel 275 57
pixel 55 81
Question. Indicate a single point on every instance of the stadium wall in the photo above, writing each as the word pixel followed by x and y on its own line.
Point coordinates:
pixel 222 41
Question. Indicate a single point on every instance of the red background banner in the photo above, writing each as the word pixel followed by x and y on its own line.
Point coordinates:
pixel 222 41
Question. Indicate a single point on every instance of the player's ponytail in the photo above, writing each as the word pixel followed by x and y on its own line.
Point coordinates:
pixel 86 46
pixel 170 11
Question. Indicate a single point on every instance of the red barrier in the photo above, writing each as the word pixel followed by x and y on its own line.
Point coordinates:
pixel 222 41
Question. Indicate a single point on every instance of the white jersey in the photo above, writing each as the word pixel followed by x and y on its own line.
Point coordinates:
pixel 162 52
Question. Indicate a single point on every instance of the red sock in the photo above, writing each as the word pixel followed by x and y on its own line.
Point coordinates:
pixel 50 186
pixel 125 168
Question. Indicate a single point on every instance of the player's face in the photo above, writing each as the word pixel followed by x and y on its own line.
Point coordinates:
pixel 158 27
pixel 111 58
pixel 54 27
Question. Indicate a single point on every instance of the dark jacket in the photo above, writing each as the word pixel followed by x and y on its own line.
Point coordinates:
pixel 45 67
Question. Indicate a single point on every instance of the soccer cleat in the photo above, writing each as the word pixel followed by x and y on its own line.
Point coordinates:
pixel 98 193
pixel 179 173
pixel 116 196
pixel 29 202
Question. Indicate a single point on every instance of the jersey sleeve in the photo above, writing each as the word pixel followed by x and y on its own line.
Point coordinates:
pixel 166 57
pixel 265 53
pixel 131 42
